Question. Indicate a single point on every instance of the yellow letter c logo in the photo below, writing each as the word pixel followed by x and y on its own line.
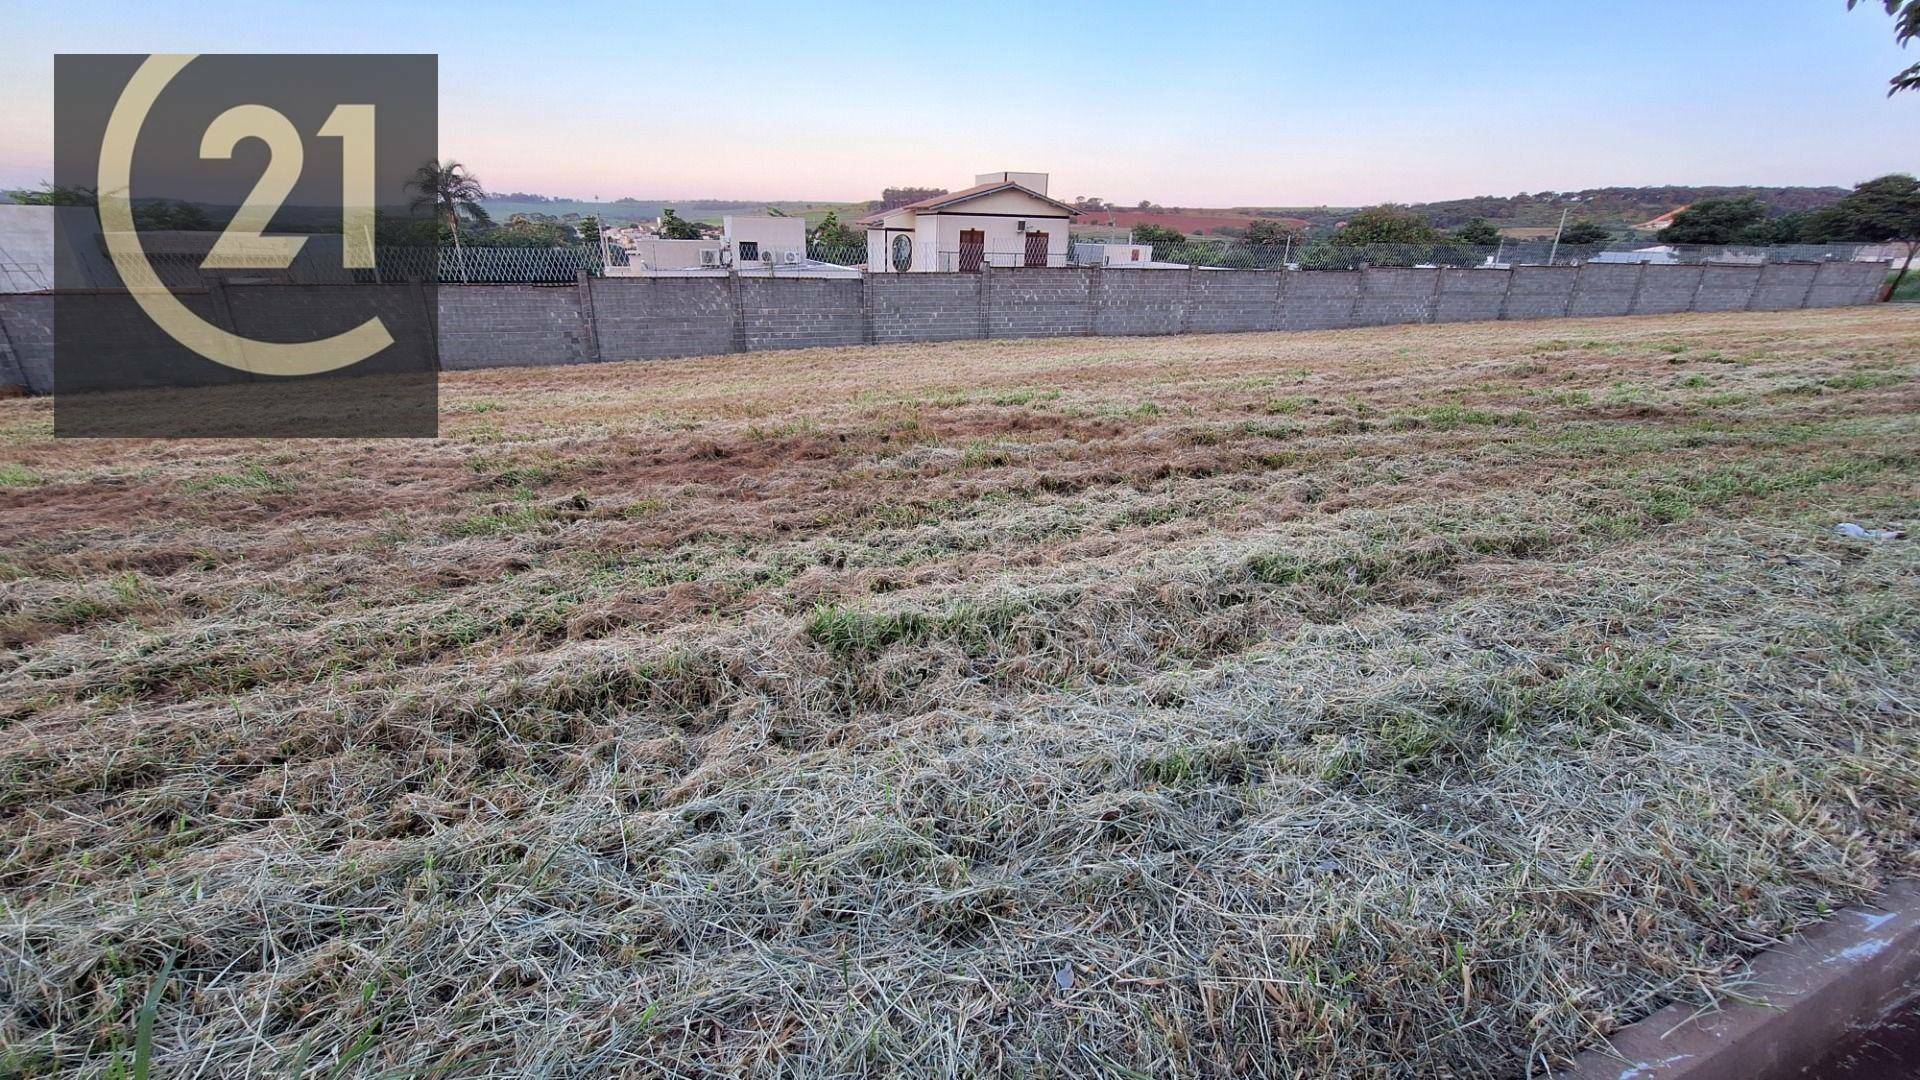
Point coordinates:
pixel 160 305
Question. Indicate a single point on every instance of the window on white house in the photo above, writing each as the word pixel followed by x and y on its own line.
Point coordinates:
pixel 749 251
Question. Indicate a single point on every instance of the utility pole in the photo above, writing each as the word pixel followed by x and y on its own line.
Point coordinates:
pixel 1556 234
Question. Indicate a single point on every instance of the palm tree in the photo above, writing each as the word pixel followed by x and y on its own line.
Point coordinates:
pixel 449 189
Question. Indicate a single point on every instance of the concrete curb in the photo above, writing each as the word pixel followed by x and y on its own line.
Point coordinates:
pixel 1846 973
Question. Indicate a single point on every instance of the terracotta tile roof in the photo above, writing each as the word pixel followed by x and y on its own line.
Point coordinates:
pixel 952 197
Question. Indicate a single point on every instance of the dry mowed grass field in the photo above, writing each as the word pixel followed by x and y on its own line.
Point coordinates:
pixel 1420 701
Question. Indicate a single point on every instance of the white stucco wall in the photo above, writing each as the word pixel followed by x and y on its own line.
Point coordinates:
pixel 776 235
pixel 1006 244
pixel 659 254
pixel 936 234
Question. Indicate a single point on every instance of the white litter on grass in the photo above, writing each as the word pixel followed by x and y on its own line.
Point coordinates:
pixel 1876 920
pixel 1861 532
pixel 1647 1068
pixel 1865 950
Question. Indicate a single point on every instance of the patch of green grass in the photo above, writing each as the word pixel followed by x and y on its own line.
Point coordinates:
pixel 1453 415
pixel 253 478
pixel 502 520
pixel 18 476
pixel 1866 380
pixel 1909 290
pixel 1025 397
pixel 984 455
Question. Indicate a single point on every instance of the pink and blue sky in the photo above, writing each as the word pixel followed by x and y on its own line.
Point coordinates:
pixel 1195 104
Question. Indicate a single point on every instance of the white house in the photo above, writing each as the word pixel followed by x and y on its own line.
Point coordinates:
pixel 1004 219
pixel 754 246
pixel 765 240
pixel 1103 253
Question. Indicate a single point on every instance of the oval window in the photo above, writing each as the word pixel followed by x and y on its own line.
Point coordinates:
pixel 903 253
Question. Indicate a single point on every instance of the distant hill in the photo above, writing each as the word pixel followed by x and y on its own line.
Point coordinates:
pixel 1612 206
pixel 1616 207
pixel 632 211
pixel 1191 222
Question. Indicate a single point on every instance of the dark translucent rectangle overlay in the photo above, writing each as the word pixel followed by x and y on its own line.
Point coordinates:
pixel 239 246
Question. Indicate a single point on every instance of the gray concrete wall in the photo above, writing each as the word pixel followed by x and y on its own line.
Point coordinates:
pixel 1605 288
pixel 1141 301
pixel 1237 301
pixel 925 307
pixel 1470 295
pixel 1667 289
pixel 504 325
pixel 26 328
pixel 1392 296
pixel 1539 292
pixel 801 313
pixel 1040 302
pixel 651 318
pixel 1726 288
pixel 1319 299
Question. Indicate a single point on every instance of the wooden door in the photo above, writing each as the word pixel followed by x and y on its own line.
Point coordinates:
pixel 1036 249
pixel 973 250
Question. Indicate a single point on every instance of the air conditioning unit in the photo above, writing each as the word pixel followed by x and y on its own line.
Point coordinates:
pixel 791 258
pixel 709 257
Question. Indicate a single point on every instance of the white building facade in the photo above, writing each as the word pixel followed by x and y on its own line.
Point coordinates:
pixel 1004 219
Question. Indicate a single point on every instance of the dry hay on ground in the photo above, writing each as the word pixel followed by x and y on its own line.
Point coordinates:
pixel 1416 701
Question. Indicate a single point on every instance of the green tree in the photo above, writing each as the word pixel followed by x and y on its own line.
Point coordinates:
pixel 1386 224
pixel 589 229
pixel 1785 229
pixel 522 231
pixel 1883 210
pixel 1266 232
pixel 56 195
pixel 1158 235
pixel 1479 232
pixel 1584 232
pixel 836 234
pixel 171 214
pixel 1906 27
pixel 675 227
pixel 1715 221
pixel 449 190
pixel 901 196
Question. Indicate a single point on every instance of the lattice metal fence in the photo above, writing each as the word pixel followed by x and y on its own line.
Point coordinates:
pixel 563 265
pixel 1327 255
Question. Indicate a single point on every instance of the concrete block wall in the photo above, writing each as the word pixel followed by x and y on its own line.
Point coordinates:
pixel 1605 288
pixel 801 313
pixel 511 325
pixel 657 318
pixel 1838 284
pixel 1782 286
pixel 1726 288
pixel 1470 295
pixel 1039 302
pixel 1140 301
pixel 1233 301
pixel 1665 290
pixel 273 313
pixel 1319 299
pixel 1389 296
pixel 650 318
pixel 1539 292
pixel 121 343
pixel 924 307
pixel 26 333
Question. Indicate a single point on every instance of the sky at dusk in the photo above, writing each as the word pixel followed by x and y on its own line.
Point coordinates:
pixel 1195 104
